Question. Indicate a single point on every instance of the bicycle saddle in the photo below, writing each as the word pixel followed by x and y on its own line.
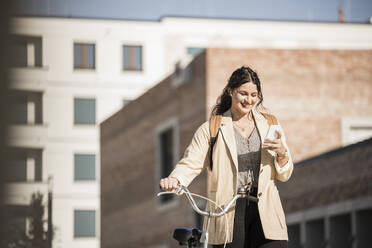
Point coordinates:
pixel 187 235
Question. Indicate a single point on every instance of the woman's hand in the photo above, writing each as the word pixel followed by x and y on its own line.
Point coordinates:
pixel 276 145
pixel 169 183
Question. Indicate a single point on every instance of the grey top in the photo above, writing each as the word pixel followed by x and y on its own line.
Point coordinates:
pixel 249 157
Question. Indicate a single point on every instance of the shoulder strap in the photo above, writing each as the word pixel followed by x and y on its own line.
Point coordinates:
pixel 214 127
pixel 271 119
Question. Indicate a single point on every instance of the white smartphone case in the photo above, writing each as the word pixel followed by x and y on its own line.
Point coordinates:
pixel 271 134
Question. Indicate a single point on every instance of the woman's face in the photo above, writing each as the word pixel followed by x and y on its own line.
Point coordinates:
pixel 244 98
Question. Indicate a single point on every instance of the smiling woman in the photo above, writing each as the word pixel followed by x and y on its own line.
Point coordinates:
pixel 242 158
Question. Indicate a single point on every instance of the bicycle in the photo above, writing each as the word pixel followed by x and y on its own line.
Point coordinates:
pixel 191 236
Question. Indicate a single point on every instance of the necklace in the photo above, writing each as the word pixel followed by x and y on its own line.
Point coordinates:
pixel 243 129
pixel 239 127
pixel 247 124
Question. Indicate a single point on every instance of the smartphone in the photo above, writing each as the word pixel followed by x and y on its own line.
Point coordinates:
pixel 271 134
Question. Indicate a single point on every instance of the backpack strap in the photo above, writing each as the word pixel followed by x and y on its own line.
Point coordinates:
pixel 214 127
pixel 271 119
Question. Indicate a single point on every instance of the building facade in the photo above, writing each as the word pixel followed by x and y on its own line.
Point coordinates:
pixel 329 199
pixel 68 75
pixel 310 91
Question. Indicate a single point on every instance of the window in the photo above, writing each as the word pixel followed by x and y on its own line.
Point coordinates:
pixel 340 231
pixel 126 101
pixel 84 223
pixel 26 107
pixel 85 111
pixel 363 227
pixel 132 56
pixel 167 154
pixel 24 165
pixel 26 51
pixel 85 167
pixel 315 233
pixel 193 51
pixel 166 157
pixel 84 56
pixel 294 236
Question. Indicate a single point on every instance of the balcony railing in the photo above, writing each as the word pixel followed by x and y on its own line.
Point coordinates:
pixel 21 77
pixel 26 134
pixel 20 193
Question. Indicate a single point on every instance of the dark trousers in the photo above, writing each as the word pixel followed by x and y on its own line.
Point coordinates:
pixel 248 231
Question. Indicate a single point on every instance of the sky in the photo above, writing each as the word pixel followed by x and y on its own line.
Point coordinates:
pixel 358 11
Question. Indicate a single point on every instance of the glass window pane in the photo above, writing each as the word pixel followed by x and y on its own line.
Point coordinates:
pixel 193 51
pixel 132 57
pixel 166 156
pixel 84 223
pixel 85 168
pixel 90 56
pixel 138 58
pixel 340 231
pixel 126 101
pixel 84 56
pixel 126 57
pixel 314 233
pixel 166 139
pixel 84 111
pixel 363 228
pixel 294 236
pixel 77 55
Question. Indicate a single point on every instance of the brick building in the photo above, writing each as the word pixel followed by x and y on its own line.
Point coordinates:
pixel 322 99
pixel 328 202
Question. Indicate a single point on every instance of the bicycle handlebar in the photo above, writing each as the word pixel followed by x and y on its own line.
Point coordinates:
pixel 242 193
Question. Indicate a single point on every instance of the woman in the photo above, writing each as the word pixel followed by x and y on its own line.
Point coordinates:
pixel 240 158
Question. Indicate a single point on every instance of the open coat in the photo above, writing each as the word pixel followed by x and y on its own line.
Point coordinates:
pixel 222 180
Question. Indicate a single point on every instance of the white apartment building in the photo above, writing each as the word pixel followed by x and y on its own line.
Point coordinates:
pixel 68 75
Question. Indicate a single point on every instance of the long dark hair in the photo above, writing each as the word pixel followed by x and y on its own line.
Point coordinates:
pixel 240 76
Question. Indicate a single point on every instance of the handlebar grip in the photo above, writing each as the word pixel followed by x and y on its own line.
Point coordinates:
pixel 177 191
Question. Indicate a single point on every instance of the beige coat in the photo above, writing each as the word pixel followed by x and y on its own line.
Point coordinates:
pixel 222 180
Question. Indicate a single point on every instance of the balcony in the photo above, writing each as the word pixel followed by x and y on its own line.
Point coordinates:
pixel 27 70
pixel 26 119
pixel 28 78
pixel 19 193
pixel 25 135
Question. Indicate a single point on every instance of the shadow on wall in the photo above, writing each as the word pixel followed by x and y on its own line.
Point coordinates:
pixel 4 44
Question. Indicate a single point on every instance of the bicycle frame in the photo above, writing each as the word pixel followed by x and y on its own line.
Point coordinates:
pixel 241 193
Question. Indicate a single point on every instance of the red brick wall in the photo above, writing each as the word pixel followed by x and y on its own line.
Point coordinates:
pixel 333 177
pixel 309 90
